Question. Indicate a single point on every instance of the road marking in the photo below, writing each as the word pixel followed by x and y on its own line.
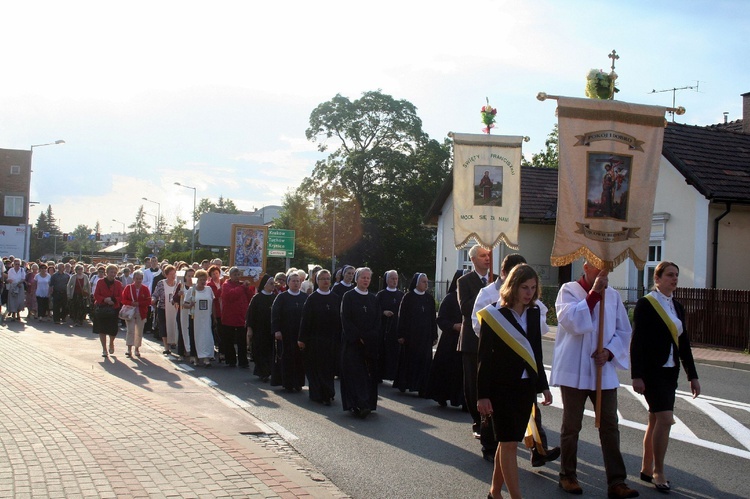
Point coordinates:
pixel 736 429
pixel 283 432
pixel 184 368
pixel 678 428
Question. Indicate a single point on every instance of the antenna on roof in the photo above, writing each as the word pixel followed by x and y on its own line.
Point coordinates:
pixel 674 93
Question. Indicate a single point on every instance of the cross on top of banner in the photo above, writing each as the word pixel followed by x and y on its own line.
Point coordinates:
pixel 614 57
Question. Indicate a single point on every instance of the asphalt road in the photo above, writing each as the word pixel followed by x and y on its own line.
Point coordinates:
pixel 412 447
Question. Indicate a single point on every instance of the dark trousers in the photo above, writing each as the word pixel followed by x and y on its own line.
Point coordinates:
pixel 574 401
pixel 59 306
pixel 42 305
pixel 231 336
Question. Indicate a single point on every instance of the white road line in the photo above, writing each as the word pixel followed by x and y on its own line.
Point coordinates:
pixel 678 428
pixel 283 432
pixel 208 381
pixel 184 367
pixel 736 429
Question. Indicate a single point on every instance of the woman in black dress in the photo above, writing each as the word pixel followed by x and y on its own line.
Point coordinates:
pixel 258 322
pixel 286 314
pixel 446 373
pixel 319 328
pixel 510 371
pixel 389 299
pixel 360 343
pixel 417 334
pixel 659 343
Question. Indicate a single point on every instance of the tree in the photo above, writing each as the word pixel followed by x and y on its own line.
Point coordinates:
pixel 376 185
pixel 45 223
pixel 179 235
pixel 549 157
pixel 222 206
pixel 82 243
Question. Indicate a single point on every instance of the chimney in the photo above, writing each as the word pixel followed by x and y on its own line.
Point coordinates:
pixel 746 113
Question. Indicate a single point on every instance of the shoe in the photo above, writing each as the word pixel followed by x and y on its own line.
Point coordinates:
pixel 104 354
pixel 538 459
pixel 646 478
pixel 664 488
pixel 165 352
pixel 364 412
pixel 137 353
pixel 621 491
pixel 488 457
pixel 570 485
pixel 128 355
pixel 111 349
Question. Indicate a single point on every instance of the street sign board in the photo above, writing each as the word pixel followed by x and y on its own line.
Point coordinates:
pixel 280 243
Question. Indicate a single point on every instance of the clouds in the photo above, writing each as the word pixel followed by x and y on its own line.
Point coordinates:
pixel 218 95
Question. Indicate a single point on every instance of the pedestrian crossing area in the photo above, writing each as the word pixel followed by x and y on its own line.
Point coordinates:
pixel 710 422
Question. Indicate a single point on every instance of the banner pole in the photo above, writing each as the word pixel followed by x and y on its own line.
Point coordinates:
pixel 599 349
pixel 542 96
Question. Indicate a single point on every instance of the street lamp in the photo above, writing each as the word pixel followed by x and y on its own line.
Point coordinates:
pixel 192 243
pixel 123 228
pixel 158 213
pixel 28 193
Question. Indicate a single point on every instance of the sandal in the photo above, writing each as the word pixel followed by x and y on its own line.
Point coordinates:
pixel 664 488
pixel 111 349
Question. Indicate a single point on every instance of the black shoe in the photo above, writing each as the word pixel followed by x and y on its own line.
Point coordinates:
pixel 646 478
pixel 538 459
pixel 490 458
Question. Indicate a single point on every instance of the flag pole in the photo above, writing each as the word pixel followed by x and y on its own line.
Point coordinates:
pixel 599 349
pixel 542 96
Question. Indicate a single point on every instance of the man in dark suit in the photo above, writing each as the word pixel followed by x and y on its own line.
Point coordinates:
pixel 468 343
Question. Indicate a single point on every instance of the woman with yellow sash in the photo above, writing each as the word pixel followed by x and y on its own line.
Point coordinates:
pixel 510 371
pixel 659 343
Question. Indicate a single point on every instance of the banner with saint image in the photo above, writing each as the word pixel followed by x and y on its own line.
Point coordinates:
pixel 609 165
pixel 486 189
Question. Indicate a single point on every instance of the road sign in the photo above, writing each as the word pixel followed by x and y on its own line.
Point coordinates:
pixel 280 243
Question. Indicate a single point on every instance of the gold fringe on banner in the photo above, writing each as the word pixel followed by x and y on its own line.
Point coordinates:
pixel 500 239
pixel 586 254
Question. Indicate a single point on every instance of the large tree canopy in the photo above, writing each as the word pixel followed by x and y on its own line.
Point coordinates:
pixel 374 187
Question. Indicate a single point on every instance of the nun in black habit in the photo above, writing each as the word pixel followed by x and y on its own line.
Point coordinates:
pixel 319 329
pixel 417 333
pixel 286 314
pixel 360 343
pixel 446 373
pixel 389 299
pixel 347 281
pixel 258 322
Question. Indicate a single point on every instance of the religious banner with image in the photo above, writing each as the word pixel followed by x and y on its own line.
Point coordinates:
pixel 486 189
pixel 609 165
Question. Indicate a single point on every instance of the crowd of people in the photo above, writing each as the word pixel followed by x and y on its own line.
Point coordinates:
pixel 301 329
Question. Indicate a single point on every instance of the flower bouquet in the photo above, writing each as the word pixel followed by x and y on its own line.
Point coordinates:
pixel 600 85
pixel 489 114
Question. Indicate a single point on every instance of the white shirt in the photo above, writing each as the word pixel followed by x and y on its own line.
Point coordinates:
pixel 667 304
pixel 577 336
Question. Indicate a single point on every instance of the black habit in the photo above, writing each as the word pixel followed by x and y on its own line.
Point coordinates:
pixel 258 318
pixel 446 374
pixel 319 329
pixel 360 342
pixel 389 300
pixel 418 329
pixel 286 314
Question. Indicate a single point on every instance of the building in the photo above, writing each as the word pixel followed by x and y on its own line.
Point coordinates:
pixel 15 186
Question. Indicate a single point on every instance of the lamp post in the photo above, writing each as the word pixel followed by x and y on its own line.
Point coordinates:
pixel 192 243
pixel 28 195
pixel 158 214
pixel 124 235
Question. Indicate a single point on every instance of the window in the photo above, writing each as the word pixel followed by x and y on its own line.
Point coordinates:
pixel 14 206
pixel 15 170
pixel 654 257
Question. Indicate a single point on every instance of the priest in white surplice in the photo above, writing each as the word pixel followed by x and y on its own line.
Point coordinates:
pixel 574 371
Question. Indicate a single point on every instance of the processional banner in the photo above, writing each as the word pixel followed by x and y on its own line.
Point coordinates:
pixel 609 165
pixel 486 189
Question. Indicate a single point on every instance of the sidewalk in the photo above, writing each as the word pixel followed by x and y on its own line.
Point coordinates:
pixel 710 356
pixel 74 424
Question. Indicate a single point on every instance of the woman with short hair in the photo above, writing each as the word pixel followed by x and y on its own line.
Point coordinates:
pixel 199 300
pixel 14 282
pixel 43 292
pixel 137 295
pixel 79 296
pixel 107 302
pixel 163 299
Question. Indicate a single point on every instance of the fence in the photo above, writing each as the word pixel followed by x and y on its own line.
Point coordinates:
pixel 717 317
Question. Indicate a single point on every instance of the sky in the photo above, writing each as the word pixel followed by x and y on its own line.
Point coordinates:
pixel 217 95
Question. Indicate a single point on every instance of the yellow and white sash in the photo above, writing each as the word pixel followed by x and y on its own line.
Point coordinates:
pixel 665 317
pixel 509 334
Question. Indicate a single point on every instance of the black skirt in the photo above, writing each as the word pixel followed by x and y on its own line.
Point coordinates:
pixel 661 385
pixel 511 408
